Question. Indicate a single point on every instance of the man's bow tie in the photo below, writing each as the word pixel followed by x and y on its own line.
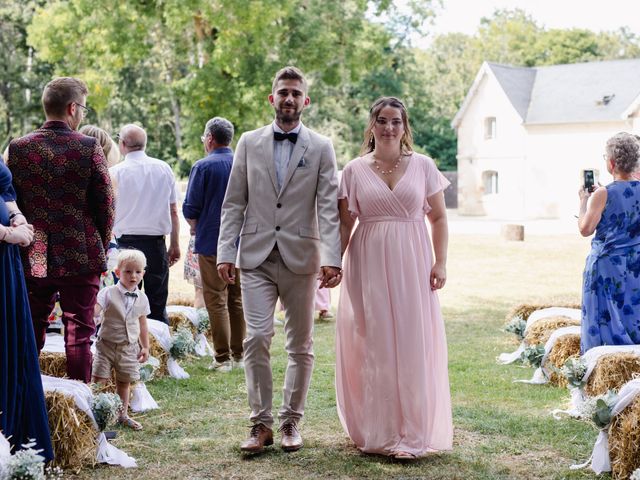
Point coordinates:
pixel 279 136
pixel 131 294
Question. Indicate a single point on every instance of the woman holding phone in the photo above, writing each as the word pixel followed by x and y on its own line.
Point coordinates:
pixel 611 281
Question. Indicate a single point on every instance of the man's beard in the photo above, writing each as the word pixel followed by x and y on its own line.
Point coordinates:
pixel 283 117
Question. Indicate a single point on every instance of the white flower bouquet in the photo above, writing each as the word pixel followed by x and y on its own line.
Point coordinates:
pixel 105 408
pixel 598 409
pixel 574 370
pixel 28 464
pixel 182 344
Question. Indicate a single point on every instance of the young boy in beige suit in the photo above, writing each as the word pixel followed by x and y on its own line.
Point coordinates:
pixel 123 339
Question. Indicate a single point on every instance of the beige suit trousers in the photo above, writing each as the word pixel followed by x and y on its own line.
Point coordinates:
pixel 261 288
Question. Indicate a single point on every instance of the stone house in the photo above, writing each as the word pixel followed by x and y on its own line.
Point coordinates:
pixel 526 134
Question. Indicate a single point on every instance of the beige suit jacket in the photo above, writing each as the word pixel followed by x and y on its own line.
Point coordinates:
pixel 302 217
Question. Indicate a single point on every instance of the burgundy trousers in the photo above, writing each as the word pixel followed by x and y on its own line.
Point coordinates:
pixel 77 300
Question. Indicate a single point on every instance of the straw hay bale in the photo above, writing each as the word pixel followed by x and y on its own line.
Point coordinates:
pixel 624 441
pixel 525 309
pixel 178 299
pixel 156 350
pixel 73 435
pixel 53 364
pixel 566 346
pixel 612 372
pixel 179 319
pixel 539 332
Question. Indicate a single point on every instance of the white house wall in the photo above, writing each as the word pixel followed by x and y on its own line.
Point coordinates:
pixel 555 156
pixel 503 154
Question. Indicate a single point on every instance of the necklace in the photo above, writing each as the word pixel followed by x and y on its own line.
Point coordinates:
pixel 387 172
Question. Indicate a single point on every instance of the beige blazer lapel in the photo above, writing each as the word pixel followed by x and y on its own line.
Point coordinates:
pixel 296 155
pixel 266 143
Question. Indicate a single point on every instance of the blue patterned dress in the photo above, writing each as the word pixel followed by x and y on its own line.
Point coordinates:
pixel 611 288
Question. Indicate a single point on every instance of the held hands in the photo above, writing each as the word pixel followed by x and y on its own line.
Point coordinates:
pixel 143 356
pixel 330 277
pixel 18 220
pixel 438 276
pixel 21 235
pixel 227 272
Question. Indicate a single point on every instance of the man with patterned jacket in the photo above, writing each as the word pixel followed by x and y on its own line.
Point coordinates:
pixel 64 190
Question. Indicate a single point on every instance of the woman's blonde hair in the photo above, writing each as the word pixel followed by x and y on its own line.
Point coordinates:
pixel 109 147
pixel 369 143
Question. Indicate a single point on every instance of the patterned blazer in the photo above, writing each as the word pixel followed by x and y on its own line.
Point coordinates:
pixel 64 189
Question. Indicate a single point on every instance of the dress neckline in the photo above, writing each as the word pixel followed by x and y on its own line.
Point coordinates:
pixel 387 187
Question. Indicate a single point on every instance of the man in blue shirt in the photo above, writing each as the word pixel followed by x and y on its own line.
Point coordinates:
pixel 202 206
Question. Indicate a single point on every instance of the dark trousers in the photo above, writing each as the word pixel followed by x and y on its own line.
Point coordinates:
pixel 77 301
pixel 156 277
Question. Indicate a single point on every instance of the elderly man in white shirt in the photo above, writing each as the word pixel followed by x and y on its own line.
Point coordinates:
pixel 147 211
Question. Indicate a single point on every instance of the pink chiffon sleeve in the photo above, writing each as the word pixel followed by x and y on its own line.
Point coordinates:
pixel 348 190
pixel 434 181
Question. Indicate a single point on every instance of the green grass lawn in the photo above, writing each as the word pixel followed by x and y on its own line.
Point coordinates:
pixel 503 430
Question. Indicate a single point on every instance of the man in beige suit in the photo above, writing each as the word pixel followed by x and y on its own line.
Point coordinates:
pixel 281 203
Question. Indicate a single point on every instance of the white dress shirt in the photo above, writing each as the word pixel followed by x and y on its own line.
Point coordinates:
pixel 282 153
pixel 145 187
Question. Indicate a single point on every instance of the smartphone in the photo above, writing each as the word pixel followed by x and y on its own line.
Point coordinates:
pixel 589 180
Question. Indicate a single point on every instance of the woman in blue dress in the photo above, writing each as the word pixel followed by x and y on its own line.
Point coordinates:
pixel 23 414
pixel 611 285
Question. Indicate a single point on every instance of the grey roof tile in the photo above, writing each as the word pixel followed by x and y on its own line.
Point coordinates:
pixel 573 93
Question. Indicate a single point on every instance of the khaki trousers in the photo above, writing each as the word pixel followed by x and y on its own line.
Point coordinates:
pixel 224 305
pixel 260 290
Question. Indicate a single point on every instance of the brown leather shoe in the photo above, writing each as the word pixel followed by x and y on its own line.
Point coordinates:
pixel 291 439
pixel 259 437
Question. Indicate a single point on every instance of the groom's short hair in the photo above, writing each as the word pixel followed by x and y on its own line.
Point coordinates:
pixel 289 73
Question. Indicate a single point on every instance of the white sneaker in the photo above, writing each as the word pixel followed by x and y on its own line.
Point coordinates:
pixel 238 364
pixel 223 367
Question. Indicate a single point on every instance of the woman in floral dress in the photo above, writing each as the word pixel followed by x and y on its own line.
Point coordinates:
pixel 611 286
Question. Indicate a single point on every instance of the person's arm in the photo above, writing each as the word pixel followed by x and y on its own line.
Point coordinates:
pixel 346 224
pixel 328 222
pixel 440 232
pixel 591 212
pixel 232 216
pixel 144 340
pixel 174 239
pixel 194 198
pixel 15 215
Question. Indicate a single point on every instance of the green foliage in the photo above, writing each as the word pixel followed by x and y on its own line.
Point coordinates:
pixel 171 65
pixel 532 355
pixel 517 326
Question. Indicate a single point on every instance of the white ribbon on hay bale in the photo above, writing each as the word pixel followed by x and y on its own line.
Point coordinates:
pixel 82 396
pixel 195 316
pixel 542 373
pixel 578 395
pixel 572 313
pixel 600 460
pixel 162 334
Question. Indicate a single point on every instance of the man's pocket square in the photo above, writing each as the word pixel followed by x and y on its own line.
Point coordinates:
pixel 302 163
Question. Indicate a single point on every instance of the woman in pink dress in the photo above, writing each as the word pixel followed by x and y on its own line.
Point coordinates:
pixel 392 384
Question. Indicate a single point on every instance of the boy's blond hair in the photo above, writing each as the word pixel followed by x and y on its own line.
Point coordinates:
pixel 131 255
